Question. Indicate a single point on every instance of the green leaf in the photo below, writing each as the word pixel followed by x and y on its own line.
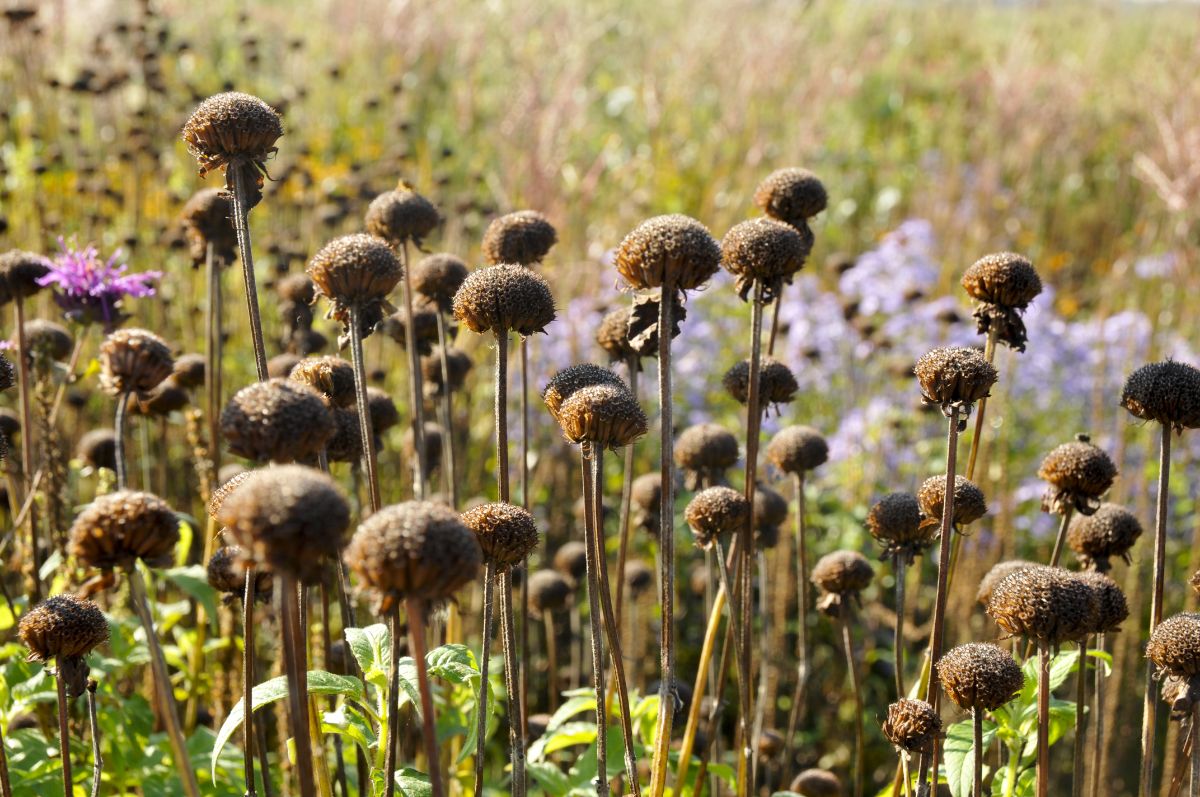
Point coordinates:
pixel 568 735
pixel 348 722
pixel 552 779
pixel 372 648
pixel 960 755
pixel 1102 656
pixel 319 683
pixel 194 582
pixel 412 783
pixel 573 706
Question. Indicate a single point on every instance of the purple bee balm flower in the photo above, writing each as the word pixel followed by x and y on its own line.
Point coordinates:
pixel 91 290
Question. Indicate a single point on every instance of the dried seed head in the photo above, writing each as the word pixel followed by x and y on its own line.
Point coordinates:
pixel 797 449
pixel 607 416
pixel 817 783
pixel 791 195
pixel 504 298
pixel 458 365
pixel 288 519
pixel 226 489
pixel 895 520
pixel 1004 284
pixel 425 327
pixel 988 583
pixel 62 626
pixel 382 409
pixel 433 445
pixel 1078 474
pixel 1111 606
pixel 8 374
pixel 523 237
pixel 437 278
pixel 574 378
pixel 980 676
pixel 644 313
pixel 704 452
pixel 842 573
pixel 646 499
pixel 1049 604
pixel 766 252
pixel 912 725
pixel 207 220
pixel 1107 533
pixel 417 549
pixel 356 271
pixel 296 289
pixel 98 448
pixel 281 365
pixel 954 377
pixel 507 534
pixel 1174 646
pixel 613 335
pixel 548 591
pixel 776 383
pixel 1167 392
pixel 133 361
pixel 969 503
pixel 226 573
pixel 571 560
pixel 189 371
pixel 168 397
pixel 278 420
pixel 716 511
pixel 232 128
pixel 330 376
pixel 346 443
pixel 400 216
pixel 119 528
pixel 20 272
pixel 48 339
pixel 675 250
pixel 639 578
pixel 770 511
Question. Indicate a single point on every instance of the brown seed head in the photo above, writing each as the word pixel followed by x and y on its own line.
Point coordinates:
pixel 226 573
pixel 548 591
pixel 346 443
pixel 797 449
pixel 278 420
pixel 843 573
pixel 98 448
pixel 296 289
pixel 1167 392
pixel 763 251
pixel 189 371
pixel 776 383
pixel 19 274
pixel 523 237
pixel 716 511
pixel 48 339
pixel 673 250
pixel 644 312
pixel 119 528
pixel 425 327
pixel 437 278
pixel 770 511
pixel 226 489
pixel 571 560
pixel 1078 474
pixel 330 376
pixel 8 373
pixel 507 534
pixel 1174 645
pixel 980 676
pixel 1049 604
pixel 1111 606
pixel 607 416
pixel 400 216
pixel 417 549
pixel 458 365
pixel 988 583
pixel 912 725
pixel 62 626
pixel 232 128
pixel 613 335
pixel 969 503
pixel 1107 533
pixel 207 219
pixel 133 361
pixel 382 409
pixel 355 270
pixel 791 195
pixel 160 402
pixel 954 377
pixel 504 298
pixel 1004 278
pixel 704 452
pixel 280 366
pixel 895 520
pixel 817 783
pixel 288 519
pixel 574 378
pixel 433 445
pixel 639 578
pixel 646 498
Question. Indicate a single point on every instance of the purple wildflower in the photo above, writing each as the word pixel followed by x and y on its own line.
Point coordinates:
pixel 90 290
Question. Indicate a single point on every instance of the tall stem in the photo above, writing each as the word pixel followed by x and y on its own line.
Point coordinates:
pixel 64 734
pixel 666 544
pixel 27 443
pixel 939 605
pixel 977 751
pixel 1194 790
pixel 551 660
pixel 297 678
pixel 898 568
pixel 1098 714
pixel 416 637
pixel 119 434
pixel 364 408
pixel 1063 525
pixel 856 689
pixel 94 732
pixel 521 665
pixel 515 718
pixel 393 707
pixel 1043 734
pixel 241 223
pixel 802 623
pixel 1150 704
pixel 1080 718
pixel 248 679
pixel 589 520
pixel 502 487
pixel 764 667
pixel 162 683
pixel 415 392
pixel 485 655
pixel 212 357
pixel 735 623
pixel 693 721
pixel 626 496
pixel 989 354
pixel 447 406
pixel 711 727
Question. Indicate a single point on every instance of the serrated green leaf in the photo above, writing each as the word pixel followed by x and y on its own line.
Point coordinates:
pixel 194 582
pixel 959 749
pixel 552 779
pixel 372 649
pixel 412 783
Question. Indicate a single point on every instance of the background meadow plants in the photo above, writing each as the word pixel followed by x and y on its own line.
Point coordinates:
pixel 1069 133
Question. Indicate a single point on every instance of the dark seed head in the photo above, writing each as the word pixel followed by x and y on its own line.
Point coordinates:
pixel 817 783
pixel 763 251
pixel 504 298
pixel 458 365
pixel 296 289
pixel 278 420
pixel 613 335
pixel 969 502
pixel 607 416
pixel 330 376
pixel 988 583
pixel 507 534
pixel 574 378
pixel 160 402
pixel 954 377
pixel 382 409
pixel 8 374
pixel 980 676
pixel 1107 533
pixel 716 511
pixel 62 626
pixel 119 528
pixel 1174 645
pixel 770 511
pixel 1078 474
pixel 133 361
pixel 776 383
pixel 1167 392
pixel 704 452
pixel 48 339
pixel 355 271
pixel 433 445
pixel 425 327
pixel 797 449
pixel 231 128
pixel 401 215
pixel 207 220
pixel 549 591
pixel 1111 606
pixel 791 195
pixel 1048 604
pixel 437 278
pixel 98 448
pixel 571 560
pixel 639 578
pixel 280 366
pixel 674 250
pixel 843 573
pixel 895 520
pixel 189 371
pixel 19 274
pixel 226 574
pixel 1005 278
pixel 226 489
pixel 524 237
pixel 646 498
pixel 912 725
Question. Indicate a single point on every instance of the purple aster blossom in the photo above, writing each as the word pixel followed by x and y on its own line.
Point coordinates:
pixel 901 266
pixel 1162 266
pixel 91 290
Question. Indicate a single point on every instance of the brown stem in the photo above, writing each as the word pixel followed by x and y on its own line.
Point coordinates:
pixel 393 715
pixel 297 678
pixel 764 666
pixel 119 434
pixel 515 721
pixel 1150 704
pixel 711 730
pixel 551 660
pixel 735 623
pixel 364 408
pixel 241 223
pixel 989 354
pixel 593 591
pixel 898 567
pixel 415 392
pixel 248 679
pixel 977 751
pixel 502 487
pixel 1080 718
pixel 1194 790
pixel 64 733
pixel 802 623
pixel 447 409
pixel 27 442
pixel 416 636
pixel 212 357
pixel 1098 714
pixel 626 497
pixel 94 730
pixel 1043 735
pixel 1063 524
pixel 489 579
pixel 856 688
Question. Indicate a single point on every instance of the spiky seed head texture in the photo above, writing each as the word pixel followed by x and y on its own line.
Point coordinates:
pixel 133 361
pixel 8 373
pixel 1167 392
pixel 573 378
pixel 954 376
pixel 401 215
pixel 208 219
pixel 969 502
pixel 912 725
pixel 224 490
pixel 613 335
pixel 716 511
pixel 279 420
pixel 289 519
pixel 20 272
pixel 98 448
pixel 1174 645
pixel 189 371
pixel 763 251
pixel 548 591
pixel 791 195
pixel 48 339
pixel 1049 604
pixel 895 520
pixel 776 382
pixel 995 575
pixel 842 572
pixel 672 250
pixel 980 676
pixel 346 443
pixel 117 529
pixel 817 783
pixel 458 365
pixel 1107 533
pixel 354 269
pixel 704 451
pixel 797 449
pixel 226 573
pixel 504 298
pixel 437 278
pixel 231 128
pixel 1078 474
pixel 607 416
pixel 507 534
pixel 1004 278
pixel 381 406
pixel 62 626
pixel 1111 605
pixel 330 376
pixel 417 549
pixel 296 288
pixel 524 237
